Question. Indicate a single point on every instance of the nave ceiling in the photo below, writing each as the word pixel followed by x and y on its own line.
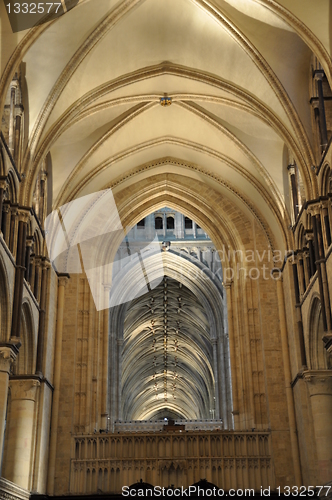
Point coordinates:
pixel 238 76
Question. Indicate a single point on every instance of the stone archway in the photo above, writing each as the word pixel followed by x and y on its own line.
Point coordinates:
pixel 207 293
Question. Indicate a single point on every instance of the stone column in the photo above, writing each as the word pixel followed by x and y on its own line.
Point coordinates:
pixel 309 238
pixel 320 391
pixel 3 186
pixel 104 401
pixel 300 272
pixel 36 286
pixel 13 230
pixel 315 107
pixel 149 227
pixel 306 265
pixel 13 87
pixel 32 271
pixel 232 352
pixel 29 244
pixel 194 230
pixel 119 356
pixel 42 317
pixel 8 353
pixel 321 267
pixel 5 222
pixel 179 227
pixel 17 134
pixel 294 191
pixel 299 317
pixel 326 219
pixel 18 463
pixel 164 224
pixel 322 118
pixel 216 378
pixel 62 282
pixel 222 380
pixel 19 274
pixel 288 380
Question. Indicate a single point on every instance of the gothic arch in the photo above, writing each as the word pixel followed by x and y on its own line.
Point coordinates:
pixel 325 180
pixel 5 299
pixel 25 363
pixel 208 295
pixel 317 351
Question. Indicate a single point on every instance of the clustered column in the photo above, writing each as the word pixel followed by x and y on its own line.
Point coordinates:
pixel 320 390
pixel 19 274
pixel 62 282
pixel 8 354
pixel 288 380
pixel 17 467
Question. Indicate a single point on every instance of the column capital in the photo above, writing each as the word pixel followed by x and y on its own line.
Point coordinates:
pixel 291 169
pixel 298 256
pixel 23 215
pixel 63 279
pixel 19 109
pixel 319 74
pixel 314 209
pixel 8 354
pixel 14 210
pixel 24 388
pixel 227 283
pixel 46 264
pixel 315 103
pixel 43 175
pixel 319 382
pixel 107 286
pixel 277 274
pixel 14 83
pixel 6 207
pixel 3 182
pixel 29 241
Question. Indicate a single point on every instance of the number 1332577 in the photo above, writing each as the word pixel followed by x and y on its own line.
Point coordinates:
pixel 33 8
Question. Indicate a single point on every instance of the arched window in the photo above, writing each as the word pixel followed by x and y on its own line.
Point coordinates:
pixel 158 223
pixel 188 223
pixel 170 222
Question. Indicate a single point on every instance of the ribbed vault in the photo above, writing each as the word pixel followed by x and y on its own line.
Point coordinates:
pixel 237 112
pixel 180 322
pixel 167 356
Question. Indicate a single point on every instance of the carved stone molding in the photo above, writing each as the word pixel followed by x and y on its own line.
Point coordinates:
pixel 10 491
pixel 24 389
pixel 319 382
pixel 3 183
pixel 63 280
pixel 8 355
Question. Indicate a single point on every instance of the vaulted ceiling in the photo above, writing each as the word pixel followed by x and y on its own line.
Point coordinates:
pixel 237 72
pixel 167 333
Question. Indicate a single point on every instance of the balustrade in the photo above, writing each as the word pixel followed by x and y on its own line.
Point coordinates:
pixel 105 463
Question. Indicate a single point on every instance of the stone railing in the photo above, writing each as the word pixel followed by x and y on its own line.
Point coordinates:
pixel 107 462
pixel 158 425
